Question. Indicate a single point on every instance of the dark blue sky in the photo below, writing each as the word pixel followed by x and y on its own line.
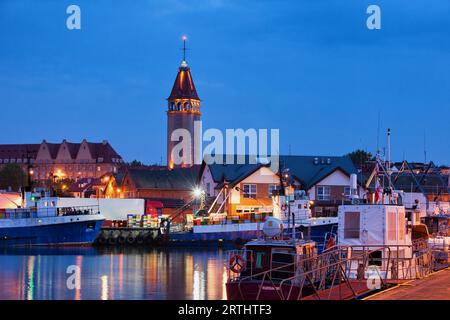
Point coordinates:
pixel 310 68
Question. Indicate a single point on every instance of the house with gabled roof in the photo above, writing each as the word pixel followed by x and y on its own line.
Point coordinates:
pixel 326 180
pixel 239 188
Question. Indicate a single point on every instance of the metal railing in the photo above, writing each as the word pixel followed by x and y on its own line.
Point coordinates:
pixel 338 268
pixel 46 212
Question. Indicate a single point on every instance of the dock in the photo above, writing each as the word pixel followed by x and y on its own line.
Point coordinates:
pixel 436 286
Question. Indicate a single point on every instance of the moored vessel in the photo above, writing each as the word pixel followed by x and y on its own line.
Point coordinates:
pixel 43 223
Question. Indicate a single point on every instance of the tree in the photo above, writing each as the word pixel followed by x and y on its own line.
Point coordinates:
pixel 136 163
pixel 12 176
pixel 360 157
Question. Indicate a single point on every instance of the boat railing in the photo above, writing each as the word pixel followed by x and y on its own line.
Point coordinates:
pixel 46 212
pixel 358 268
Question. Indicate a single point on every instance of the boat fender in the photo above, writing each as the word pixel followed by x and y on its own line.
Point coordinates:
pixel 102 240
pixel 140 239
pixel 330 243
pixel 131 239
pixel 237 263
pixel 121 239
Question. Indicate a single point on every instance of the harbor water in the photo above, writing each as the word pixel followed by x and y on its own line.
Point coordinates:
pixel 112 274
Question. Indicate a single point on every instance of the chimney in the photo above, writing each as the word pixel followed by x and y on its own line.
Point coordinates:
pixel 316 161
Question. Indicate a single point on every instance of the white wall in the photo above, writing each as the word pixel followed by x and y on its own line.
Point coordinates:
pixel 337 178
pixel 111 209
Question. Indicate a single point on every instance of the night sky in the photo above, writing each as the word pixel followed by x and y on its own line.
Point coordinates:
pixel 310 68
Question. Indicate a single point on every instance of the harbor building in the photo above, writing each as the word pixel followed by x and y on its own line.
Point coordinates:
pixel 239 188
pixel 326 180
pixel 65 160
pixel 248 188
pixel 165 189
pixel 183 111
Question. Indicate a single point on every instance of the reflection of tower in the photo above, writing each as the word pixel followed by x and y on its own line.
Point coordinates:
pixel 183 111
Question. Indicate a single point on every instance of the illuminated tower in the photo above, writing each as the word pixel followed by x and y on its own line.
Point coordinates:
pixel 183 111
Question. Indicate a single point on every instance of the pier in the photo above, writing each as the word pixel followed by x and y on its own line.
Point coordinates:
pixel 436 286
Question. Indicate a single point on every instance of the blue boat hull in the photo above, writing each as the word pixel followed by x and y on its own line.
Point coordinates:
pixel 69 233
pixel 315 233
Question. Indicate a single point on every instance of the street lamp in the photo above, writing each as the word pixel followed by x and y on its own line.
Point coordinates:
pixel 198 192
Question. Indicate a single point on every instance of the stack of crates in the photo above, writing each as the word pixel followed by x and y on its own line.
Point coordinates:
pixel 146 221
pixel 134 220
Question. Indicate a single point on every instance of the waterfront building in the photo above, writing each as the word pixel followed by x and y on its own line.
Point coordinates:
pixel 326 180
pixel 173 188
pixel 248 187
pixel 240 188
pixel 65 160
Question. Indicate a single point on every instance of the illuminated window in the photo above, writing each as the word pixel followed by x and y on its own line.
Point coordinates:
pixel 249 191
pixel 323 193
pixel 272 188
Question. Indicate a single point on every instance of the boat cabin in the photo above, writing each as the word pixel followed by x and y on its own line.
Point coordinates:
pixel 260 256
pixel 384 232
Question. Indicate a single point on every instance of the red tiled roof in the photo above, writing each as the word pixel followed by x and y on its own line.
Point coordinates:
pixel 103 150
pixel 18 151
pixel 183 87
pixel 53 149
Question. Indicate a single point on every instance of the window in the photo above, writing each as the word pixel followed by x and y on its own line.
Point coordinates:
pixel 347 191
pixel 351 225
pixel 249 191
pixel 272 188
pixel 323 193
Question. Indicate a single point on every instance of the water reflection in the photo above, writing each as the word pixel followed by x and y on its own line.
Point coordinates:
pixel 126 273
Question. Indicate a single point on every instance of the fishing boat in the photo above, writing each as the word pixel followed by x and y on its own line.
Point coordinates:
pixel 42 223
pixel 257 271
pixel 294 212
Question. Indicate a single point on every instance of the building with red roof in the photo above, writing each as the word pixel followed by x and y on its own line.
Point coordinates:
pixel 65 160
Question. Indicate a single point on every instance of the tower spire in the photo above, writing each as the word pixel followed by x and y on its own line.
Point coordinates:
pixel 184 48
